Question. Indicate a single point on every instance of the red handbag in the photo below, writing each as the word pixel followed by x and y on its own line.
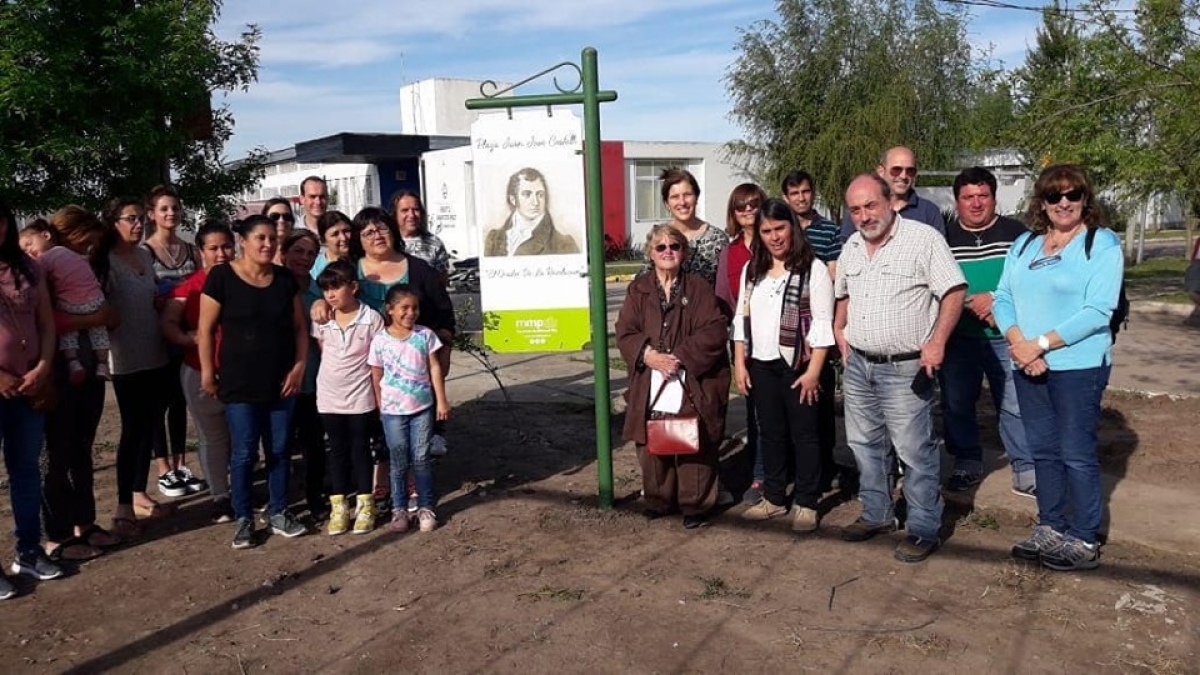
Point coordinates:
pixel 673 434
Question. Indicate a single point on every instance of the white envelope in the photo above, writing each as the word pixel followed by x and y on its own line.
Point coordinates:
pixel 671 400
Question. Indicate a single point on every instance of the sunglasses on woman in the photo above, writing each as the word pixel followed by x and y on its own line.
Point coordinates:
pixel 277 215
pixel 1072 196
pixel 673 246
pixel 751 204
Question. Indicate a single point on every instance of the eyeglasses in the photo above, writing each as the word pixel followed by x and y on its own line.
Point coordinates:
pixel 910 171
pixel 674 246
pixel 751 204
pixel 1048 261
pixel 1056 197
pixel 373 232
pixel 130 219
pixel 277 215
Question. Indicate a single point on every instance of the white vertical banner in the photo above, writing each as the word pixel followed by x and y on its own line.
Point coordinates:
pixel 531 214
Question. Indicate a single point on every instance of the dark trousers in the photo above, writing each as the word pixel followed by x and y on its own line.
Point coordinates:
pixel 827 424
pixel 309 436
pixel 140 401
pixel 351 470
pixel 787 434
pixel 170 437
pixel 68 496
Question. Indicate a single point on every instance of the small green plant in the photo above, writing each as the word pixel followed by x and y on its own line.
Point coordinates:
pixel 716 588
pixel 559 594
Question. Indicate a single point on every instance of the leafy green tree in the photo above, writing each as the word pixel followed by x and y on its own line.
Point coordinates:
pixel 829 84
pixel 1117 95
pixel 110 97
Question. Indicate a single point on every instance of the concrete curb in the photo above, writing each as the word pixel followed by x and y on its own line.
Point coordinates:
pixel 1173 308
pixel 619 278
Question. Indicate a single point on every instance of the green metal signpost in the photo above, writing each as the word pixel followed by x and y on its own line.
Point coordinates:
pixel 588 93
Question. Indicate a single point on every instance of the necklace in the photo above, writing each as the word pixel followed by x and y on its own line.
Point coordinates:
pixel 977 232
pixel 1054 246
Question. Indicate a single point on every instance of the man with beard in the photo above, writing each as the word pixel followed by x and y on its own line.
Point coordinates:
pixel 979 240
pixel 898 167
pixel 529 229
pixel 899 295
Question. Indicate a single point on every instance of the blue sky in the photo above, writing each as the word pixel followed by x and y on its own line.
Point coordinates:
pixel 338 66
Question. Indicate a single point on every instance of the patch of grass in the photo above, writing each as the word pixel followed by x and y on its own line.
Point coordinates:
pixel 1172 298
pixel 982 521
pixel 630 267
pixel 1156 268
pixel 559 594
pixel 716 588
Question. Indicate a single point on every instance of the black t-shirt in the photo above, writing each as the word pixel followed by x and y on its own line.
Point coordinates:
pixel 258 339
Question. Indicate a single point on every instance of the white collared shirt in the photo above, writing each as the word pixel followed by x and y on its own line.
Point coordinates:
pixel 521 230
pixel 344 378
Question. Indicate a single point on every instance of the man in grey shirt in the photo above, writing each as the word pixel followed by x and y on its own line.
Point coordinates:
pixel 899 295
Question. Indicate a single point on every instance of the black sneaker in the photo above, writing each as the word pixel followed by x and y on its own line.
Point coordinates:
pixel 222 511
pixel 1072 554
pixel 862 530
pixel 171 485
pixel 285 526
pixel 961 481
pixel 243 537
pixel 1041 540
pixel 35 564
pixel 192 484
pixel 7 590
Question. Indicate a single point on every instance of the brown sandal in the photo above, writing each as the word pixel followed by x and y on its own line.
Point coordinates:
pixel 155 510
pixel 126 528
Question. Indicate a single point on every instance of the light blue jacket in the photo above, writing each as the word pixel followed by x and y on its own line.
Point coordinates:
pixel 1073 295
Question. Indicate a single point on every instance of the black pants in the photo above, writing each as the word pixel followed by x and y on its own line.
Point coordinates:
pixel 351 470
pixel 827 424
pixel 170 437
pixel 309 436
pixel 787 434
pixel 68 497
pixel 141 403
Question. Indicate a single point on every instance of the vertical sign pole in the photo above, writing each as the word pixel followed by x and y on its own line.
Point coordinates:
pixel 599 294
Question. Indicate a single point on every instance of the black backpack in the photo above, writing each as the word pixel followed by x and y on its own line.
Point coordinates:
pixel 1120 315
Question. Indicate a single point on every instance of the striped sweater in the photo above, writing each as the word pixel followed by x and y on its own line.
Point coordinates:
pixel 981 255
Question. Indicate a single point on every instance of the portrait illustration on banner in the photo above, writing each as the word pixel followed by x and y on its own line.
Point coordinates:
pixel 529 228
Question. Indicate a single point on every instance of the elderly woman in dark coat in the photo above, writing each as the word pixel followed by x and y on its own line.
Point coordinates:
pixel 671 321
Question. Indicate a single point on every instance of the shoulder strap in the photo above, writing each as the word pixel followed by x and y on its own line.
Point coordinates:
pixel 686 390
pixel 1087 242
pixel 1028 240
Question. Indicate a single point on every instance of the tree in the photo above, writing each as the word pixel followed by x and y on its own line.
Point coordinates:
pixel 110 97
pixel 831 83
pixel 1117 95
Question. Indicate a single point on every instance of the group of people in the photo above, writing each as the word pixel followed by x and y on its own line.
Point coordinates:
pixel 332 332
pixel 910 305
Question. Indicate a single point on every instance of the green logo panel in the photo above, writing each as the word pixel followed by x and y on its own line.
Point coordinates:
pixel 537 330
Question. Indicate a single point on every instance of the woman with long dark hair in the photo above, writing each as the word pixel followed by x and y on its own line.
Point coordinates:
pixel 781 334
pixel 279 210
pixel 27 346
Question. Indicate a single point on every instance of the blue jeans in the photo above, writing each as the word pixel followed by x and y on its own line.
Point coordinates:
pixel 1061 410
pixel 21 436
pixel 408 438
pixel 967 362
pixel 882 412
pixel 250 423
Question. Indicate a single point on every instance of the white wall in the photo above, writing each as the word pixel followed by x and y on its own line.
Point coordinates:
pixel 717 179
pixel 352 187
pixel 435 107
pixel 447 181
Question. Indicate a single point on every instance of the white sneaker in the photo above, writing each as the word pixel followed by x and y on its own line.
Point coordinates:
pixel 427 520
pixel 437 446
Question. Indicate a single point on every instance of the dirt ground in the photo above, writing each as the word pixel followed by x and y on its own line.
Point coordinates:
pixel 526 575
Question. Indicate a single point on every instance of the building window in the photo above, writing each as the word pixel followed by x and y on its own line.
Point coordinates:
pixel 647 197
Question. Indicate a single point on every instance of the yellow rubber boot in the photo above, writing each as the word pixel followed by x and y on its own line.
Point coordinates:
pixel 365 522
pixel 339 519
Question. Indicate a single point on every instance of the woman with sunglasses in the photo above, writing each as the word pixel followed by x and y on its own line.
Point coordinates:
pixel 279 210
pixel 1056 295
pixel 741 220
pixel 781 336
pixel 681 192
pixel 671 323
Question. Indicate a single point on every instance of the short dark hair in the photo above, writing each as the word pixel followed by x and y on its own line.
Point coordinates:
pixel 295 237
pixel 674 175
pixel 280 201
pixel 331 218
pixel 976 175
pixel 528 174
pixel 246 225
pixel 393 296
pixel 377 216
pixel 211 227
pixel 337 274
pixel 311 179
pixel 795 179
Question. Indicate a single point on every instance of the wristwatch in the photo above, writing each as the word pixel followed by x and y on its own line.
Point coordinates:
pixel 1044 343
